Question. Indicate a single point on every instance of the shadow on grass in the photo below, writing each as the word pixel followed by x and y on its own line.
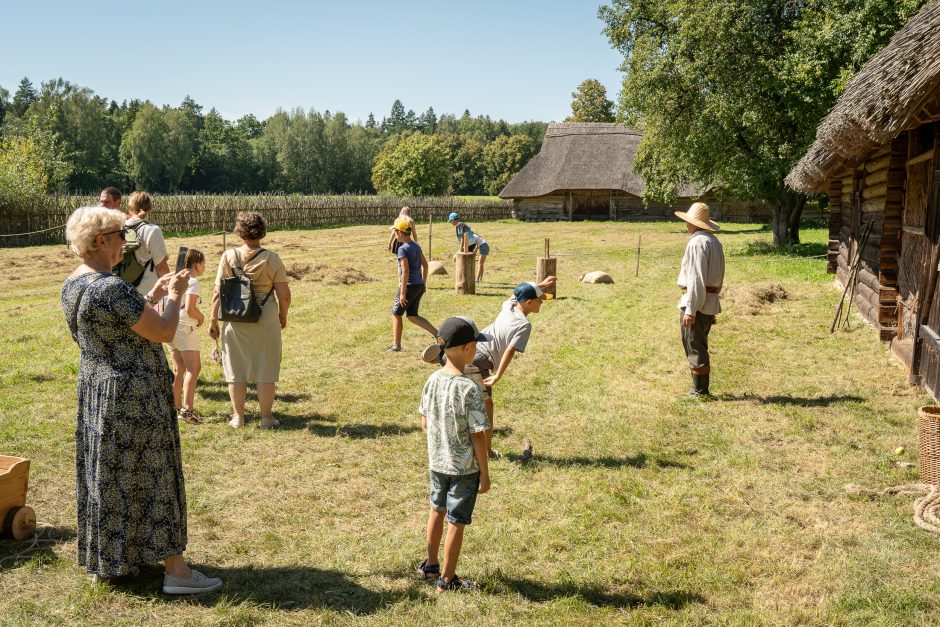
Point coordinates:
pixel 640 460
pixel 798 401
pixel 285 588
pixel 326 426
pixel 218 391
pixel 14 554
pixel 541 592
pixel 807 249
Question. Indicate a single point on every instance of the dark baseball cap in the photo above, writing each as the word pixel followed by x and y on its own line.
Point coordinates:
pixel 529 291
pixel 459 331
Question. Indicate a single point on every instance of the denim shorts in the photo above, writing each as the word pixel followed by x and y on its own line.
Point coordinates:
pixel 455 494
pixel 484 249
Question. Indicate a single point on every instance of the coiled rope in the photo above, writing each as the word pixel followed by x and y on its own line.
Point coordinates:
pixel 926 505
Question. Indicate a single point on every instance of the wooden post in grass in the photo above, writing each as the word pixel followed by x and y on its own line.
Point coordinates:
pixel 545 267
pixel 430 226
pixel 638 238
pixel 465 273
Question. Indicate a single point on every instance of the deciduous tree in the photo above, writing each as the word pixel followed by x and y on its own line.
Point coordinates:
pixel 729 93
pixel 590 104
pixel 412 164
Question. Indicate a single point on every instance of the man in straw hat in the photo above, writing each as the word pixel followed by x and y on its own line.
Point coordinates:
pixel 701 277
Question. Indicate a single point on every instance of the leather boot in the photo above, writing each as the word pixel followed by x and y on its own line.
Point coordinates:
pixel 700 385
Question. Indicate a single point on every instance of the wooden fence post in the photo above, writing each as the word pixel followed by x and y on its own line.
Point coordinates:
pixel 465 272
pixel 430 226
pixel 638 238
pixel 545 267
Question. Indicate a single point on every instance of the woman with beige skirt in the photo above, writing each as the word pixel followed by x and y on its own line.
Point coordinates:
pixel 251 351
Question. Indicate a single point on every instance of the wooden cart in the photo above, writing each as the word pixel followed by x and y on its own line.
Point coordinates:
pixel 18 521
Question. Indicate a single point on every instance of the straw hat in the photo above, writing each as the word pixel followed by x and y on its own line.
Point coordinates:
pixel 698 214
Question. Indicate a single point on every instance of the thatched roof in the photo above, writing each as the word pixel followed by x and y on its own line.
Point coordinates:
pixel 583 155
pixel 897 90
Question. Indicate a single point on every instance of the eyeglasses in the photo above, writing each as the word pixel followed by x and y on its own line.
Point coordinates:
pixel 122 231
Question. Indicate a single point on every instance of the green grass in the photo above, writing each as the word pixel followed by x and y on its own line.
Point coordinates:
pixel 640 507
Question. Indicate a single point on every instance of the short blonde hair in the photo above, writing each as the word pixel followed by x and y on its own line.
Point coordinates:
pixel 87 223
pixel 405 211
pixel 139 201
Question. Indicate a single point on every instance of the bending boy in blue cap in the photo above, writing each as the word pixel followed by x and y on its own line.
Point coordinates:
pixel 508 335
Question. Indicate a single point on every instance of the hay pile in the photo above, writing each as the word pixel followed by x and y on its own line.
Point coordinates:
pixel 753 298
pixel 328 275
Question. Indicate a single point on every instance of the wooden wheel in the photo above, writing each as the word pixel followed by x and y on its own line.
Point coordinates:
pixel 20 523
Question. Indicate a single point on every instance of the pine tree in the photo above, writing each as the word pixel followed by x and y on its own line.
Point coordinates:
pixel 25 95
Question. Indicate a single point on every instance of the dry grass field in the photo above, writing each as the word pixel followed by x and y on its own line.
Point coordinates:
pixel 640 507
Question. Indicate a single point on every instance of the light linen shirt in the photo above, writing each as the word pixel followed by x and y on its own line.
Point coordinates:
pixel 703 265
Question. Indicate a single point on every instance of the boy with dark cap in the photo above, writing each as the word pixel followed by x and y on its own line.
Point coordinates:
pixel 455 421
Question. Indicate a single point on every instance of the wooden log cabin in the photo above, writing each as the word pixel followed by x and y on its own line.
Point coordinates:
pixel 877 157
pixel 584 171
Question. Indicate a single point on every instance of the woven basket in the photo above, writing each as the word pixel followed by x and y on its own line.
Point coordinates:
pixel 928 440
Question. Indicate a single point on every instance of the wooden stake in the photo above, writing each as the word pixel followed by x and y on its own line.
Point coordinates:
pixel 638 237
pixel 430 226
pixel 465 273
pixel 545 267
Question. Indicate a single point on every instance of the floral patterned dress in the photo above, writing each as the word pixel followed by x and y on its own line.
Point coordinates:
pixel 129 473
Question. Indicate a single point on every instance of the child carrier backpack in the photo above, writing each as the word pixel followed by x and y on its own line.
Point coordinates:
pixel 237 301
pixel 129 268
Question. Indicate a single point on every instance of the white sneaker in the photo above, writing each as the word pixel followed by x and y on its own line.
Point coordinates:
pixel 197 583
pixel 432 354
pixel 237 421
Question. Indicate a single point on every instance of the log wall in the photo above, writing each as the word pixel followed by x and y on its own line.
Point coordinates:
pixel 870 194
pixel 624 206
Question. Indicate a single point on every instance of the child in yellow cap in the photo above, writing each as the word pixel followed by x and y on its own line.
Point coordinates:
pixel 412 273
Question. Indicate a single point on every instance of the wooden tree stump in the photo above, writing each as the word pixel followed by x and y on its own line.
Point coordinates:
pixel 545 267
pixel 466 270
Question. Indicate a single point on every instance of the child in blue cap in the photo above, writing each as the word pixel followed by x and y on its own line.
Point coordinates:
pixel 475 241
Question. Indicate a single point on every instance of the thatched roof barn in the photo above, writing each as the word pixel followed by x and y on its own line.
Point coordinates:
pixel 585 171
pixel 877 157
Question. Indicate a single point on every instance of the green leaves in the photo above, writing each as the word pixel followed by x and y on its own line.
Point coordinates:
pixel 590 103
pixel 729 93
pixel 414 165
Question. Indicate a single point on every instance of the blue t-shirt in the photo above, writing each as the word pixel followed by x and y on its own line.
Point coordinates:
pixel 464 228
pixel 412 252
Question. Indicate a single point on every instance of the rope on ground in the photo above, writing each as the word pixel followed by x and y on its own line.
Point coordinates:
pixel 51 228
pixel 926 505
pixel 37 541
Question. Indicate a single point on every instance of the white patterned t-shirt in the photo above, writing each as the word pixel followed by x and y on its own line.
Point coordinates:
pixel 453 405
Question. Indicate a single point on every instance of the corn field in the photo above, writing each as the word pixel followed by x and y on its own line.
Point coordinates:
pixel 184 213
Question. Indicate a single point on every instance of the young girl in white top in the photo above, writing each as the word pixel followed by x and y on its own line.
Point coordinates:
pixel 185 345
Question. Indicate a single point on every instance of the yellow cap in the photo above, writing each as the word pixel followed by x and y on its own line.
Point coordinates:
pixel 403 225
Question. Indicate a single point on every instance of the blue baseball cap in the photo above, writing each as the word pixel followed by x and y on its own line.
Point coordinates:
pixel 453 216
pixel 529 291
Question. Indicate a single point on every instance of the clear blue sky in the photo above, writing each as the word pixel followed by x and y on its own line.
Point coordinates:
pixel 515 59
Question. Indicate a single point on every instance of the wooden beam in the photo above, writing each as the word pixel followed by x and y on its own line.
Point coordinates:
pixel 924 156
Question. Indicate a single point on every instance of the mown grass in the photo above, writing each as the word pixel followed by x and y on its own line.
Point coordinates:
pixel 640 507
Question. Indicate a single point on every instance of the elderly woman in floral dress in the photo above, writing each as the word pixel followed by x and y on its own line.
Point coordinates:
pixel 129 473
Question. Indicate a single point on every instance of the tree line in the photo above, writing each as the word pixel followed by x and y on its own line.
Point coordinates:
pixel 63 137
